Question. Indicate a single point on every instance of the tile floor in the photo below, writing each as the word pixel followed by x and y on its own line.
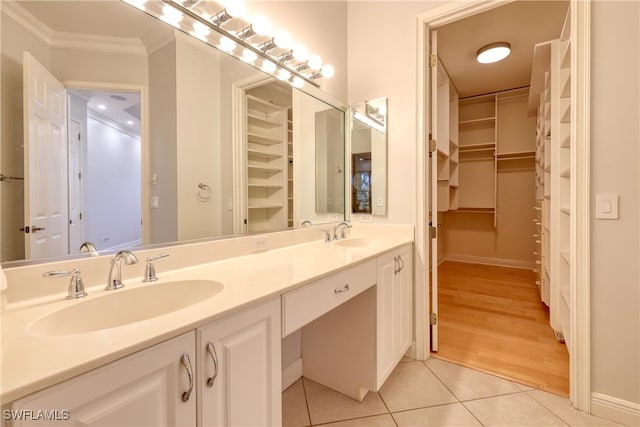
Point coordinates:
pixel 432 393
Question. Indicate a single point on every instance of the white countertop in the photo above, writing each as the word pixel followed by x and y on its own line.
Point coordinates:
pixel 30 363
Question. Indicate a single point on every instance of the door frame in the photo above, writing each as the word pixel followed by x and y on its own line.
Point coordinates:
pixel 579 346
pixel 145 144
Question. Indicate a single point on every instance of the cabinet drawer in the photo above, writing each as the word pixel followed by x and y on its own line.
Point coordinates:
pixel 306 304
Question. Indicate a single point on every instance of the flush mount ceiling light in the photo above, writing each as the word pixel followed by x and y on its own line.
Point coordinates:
pixel 493 52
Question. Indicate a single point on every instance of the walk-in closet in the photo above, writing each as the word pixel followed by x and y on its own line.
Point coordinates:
pixel 501 159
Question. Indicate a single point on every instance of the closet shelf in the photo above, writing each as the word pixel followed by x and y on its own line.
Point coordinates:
pixel 565 211
pixel 255 120
pixel 566 173
pixel 475 123
pixel 566 257
pixel 474 210
pixel 517 155
pixel 255 103
pixel 263 154
pixel 265 206
pixel 259 139
pixel 262 168
pixel 477 147
pixel 268 186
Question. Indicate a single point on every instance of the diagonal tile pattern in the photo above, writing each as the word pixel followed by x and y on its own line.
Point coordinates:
pixel 433 393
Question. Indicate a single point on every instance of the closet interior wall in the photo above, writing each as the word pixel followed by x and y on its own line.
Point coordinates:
pixel 491 219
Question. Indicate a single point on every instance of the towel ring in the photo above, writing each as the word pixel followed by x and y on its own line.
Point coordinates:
pixel 204 192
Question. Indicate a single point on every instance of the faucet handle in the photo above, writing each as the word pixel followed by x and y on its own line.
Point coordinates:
pixel 150 268
pixel 327 234
pixel 76 286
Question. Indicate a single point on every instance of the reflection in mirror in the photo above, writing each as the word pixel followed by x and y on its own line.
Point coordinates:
pixel 165 169
pixel 369 157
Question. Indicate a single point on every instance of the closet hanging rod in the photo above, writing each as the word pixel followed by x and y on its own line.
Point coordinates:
pixel 469 150
pixel 10 178
pixel 516 158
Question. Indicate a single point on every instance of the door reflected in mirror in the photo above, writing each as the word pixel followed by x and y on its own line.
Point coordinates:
pixel 369 157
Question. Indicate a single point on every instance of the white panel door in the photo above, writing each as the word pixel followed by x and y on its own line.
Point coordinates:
pixel 45 162
pixel 144 389
pixel 239 369
pixel 434 188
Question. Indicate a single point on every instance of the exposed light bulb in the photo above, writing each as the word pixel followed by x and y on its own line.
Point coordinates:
pixel 201 30
pixel 226 44
pixel 130 122
pixel 268 67
pixel 382 110
pixel 249 56
pixel 235 8
pixel 327 71
pixel 300 53
pixel 102 107
pixel 171 16
pixel 298 82
pixel 137 3
pixel 282 39
pixel 261 25
pixel 284 75
pixel 315 62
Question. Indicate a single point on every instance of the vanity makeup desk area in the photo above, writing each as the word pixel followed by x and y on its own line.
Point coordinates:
pixel 228 295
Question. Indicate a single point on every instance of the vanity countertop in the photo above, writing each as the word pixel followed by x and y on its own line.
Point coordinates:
pixel 31 363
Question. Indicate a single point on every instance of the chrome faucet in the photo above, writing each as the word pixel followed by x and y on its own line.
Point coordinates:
pixel 90 248
pixel 340 227
pixel 116 282
pixel 76 286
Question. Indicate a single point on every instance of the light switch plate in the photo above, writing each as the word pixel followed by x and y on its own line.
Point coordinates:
pixel 260 243
pixel 607 206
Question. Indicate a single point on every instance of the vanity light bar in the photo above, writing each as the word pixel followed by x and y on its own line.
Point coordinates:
pixel 229 40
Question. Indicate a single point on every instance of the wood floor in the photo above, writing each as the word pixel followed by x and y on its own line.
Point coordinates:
pixel 492 319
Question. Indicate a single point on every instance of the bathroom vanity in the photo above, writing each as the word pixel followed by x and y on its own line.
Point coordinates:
pixel 216 361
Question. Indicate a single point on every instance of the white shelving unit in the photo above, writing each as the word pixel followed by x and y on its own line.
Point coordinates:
pixel 267 185
pixel 477 119
pixel 551 100
pixel 290 191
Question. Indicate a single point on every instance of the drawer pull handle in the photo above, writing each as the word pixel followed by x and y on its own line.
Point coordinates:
pixel 187 365
pixel 214 357
pixel 345 288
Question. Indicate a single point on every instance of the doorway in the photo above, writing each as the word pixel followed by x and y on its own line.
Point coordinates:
pixel 105 159
pixel 579 384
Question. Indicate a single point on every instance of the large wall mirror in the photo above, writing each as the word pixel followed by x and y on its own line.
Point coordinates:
pixel 369 157
pixel 154 137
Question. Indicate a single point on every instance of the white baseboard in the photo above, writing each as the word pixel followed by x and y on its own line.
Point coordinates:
pixel 291 374
pixel 499 262
pixel 618 410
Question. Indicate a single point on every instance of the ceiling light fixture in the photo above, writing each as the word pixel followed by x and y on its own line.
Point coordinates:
pixel 493 52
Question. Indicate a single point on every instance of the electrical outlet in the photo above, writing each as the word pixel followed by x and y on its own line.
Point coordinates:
pixel 260 243
pixel 365 218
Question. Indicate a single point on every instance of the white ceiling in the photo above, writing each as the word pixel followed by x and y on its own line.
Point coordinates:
pixel 521 23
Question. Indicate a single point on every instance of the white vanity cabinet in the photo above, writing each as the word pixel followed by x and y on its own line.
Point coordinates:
pixel 393 310
pixel 239 369
pixel 144 389
pixel 354 344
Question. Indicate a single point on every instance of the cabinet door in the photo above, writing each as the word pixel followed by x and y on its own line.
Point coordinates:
pixel 239 369
pixel 404 290
pixel 144 389
pixel 386 316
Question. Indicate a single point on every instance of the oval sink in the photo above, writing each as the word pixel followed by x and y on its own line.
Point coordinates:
pixel 359 242
pixel 122 307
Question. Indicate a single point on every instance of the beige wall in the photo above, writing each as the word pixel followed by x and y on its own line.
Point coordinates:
pixel 319 25
pixel 382 63
pixel 615 136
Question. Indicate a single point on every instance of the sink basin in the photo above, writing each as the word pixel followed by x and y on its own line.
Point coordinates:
pixel 358 242
pixel 125 306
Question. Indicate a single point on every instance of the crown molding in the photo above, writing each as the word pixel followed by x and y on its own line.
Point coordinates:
pixel 75 41
pixel 104 44
pixel 28 21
